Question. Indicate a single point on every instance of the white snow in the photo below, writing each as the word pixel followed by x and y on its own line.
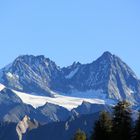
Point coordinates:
pixel 65 101
pixel 1 87
pixel 9 74
pixel 12 76
pixel 69 76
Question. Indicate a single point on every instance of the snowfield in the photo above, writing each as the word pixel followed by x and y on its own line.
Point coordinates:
pixel 68 102
pixel 1 87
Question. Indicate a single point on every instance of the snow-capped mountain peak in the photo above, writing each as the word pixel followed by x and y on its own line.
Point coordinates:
pixel 39 75
pixel 30 73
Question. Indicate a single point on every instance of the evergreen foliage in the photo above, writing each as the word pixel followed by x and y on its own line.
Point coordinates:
pixel 103 127
pixel 122 122
pixel 80 135
pixel 136 134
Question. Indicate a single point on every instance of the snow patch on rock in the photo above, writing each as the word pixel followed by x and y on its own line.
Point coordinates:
pixel 1 87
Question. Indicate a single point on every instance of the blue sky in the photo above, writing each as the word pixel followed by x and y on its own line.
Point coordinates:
pixel 70 30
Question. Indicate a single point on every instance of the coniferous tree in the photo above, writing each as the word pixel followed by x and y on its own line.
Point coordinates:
pixel 122 122
pixel 103 127
pixel 136 135
pixel 80 135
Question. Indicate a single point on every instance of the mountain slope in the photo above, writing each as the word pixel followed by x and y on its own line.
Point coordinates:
pixel 37 87
pixel 108 76
pixel 31 74
pixel 88 108
pixel 66 101
pixel 54 112
pixel 52 131
pixel 64 130
pixel 13 109
pixel 111 76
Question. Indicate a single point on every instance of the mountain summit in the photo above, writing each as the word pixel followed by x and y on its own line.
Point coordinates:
pixel 33 74
pixel 108 75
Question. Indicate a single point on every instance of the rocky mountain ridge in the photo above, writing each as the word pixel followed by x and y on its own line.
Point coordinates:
pixel 39 75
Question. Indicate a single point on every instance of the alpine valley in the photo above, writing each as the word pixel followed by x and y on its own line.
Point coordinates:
pixel 38 98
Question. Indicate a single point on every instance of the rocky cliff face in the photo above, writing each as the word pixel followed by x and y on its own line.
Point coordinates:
pixel 32 74
pixel 110 75
pixel 25 125
pixel 39 75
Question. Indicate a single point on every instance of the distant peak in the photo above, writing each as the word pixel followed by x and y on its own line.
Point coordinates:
pixel 76 63
pixel 40 56
pixel 30 59
pixel 30 56
pixel 106 56
pixel 107 53
pixel 23 56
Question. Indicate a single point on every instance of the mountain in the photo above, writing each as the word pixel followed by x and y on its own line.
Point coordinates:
pixel 54 112
pixel 13 110
pixel 64 130
pixel 70 71
pixel 32 81
pixel 62 99
pixel 28 129
pixel 33 74
pixel 108 75
pixel 88 108
pixel 37 74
